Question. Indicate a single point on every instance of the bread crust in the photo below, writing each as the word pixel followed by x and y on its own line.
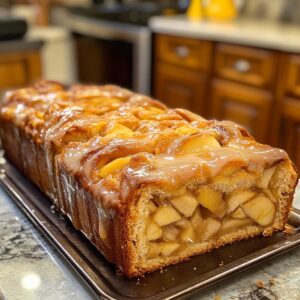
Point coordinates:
pixel 61 142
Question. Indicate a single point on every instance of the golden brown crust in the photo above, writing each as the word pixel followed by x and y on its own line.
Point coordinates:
pixel 63 138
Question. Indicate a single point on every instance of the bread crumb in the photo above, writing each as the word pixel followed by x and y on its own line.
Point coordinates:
pixel 217 297
pixel 288 229
pixel 195 268
pixel 221 263
pixel 260 283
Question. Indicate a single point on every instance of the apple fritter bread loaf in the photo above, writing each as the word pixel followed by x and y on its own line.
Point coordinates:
pixel 149 186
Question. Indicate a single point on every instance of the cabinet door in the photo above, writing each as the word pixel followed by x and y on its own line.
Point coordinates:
pixel 180 87
pixel 293 75
pixel 249 107
pixel 290 129
pixel 19 69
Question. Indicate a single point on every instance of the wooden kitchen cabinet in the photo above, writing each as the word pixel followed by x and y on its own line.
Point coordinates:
pixel 185 52
pixel 293 76
pixel 290 129
pixel 247 65
pixel 180 87
pixel 181 72
pixel 19 68
pixel 257 88
pixel 247 106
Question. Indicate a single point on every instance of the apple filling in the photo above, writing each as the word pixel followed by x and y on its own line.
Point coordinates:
pixel 207 213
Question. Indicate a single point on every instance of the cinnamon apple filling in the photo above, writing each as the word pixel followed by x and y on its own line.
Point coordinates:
pixel 209 212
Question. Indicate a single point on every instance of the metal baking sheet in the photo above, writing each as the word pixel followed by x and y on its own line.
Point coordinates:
pixel 179 281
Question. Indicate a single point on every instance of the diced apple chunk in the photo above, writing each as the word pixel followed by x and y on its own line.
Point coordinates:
pixel 119 129
pixel 185 204
pixel 184 130
pixel 235 224
pixel 260 209
pixel 102 230
pixel 212 200
pixel 266 178
pixel 114 166
pixel 235 199
pixel 151 206
pixel 154 250
pixel 239 214
pixel 212 226
pixel 165 249
pixel 168 248
pixel 166 215
pixel 270 195
pixel 188 235
pixel 183 223
pixel 153 231
pixel 197 144
pixel 196 219
pixel 229 170
pixel 170 233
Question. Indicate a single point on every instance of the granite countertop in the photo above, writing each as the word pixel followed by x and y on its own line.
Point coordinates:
pixel 30 268
pixel 277 36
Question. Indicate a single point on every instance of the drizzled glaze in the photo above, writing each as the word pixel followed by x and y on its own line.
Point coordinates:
pixel 48 113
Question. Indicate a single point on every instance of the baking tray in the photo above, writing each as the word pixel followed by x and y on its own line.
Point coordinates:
pixel 179 281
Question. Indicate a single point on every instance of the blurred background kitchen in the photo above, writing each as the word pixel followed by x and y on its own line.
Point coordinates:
pixel 225 59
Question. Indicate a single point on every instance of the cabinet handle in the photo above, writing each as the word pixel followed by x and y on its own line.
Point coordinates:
pixel 182 51
pixel 242 65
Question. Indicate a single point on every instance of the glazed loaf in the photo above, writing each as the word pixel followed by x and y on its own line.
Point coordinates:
pixel 149 186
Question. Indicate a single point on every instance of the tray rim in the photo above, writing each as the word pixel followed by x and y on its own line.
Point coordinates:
pixel 92 280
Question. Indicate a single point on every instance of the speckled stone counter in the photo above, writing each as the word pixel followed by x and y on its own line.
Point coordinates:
pixel 30 268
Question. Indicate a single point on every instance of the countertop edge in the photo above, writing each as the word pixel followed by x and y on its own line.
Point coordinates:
pixel 282 38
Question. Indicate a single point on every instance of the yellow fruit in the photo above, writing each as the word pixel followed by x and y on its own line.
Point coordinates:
pixel 266 178
pixel 155 110
pixel 165 249
pixel 151 207
pixel 212 200
pixel 270 195
pixel 212 226
pixel 196 219
pixel 229 170
pixel 102 230
pixel 154 250
pixel 184 130
pixel 235 224
pixel 239 214
pixel 168 248
pixel 197 144
pixel 114 166
pixel 183 223
pixel 235 199
pixel 166 215
pixel 188 235
pixel 119 129
pixel 170 233
pixel 153 231
pixel 260 209
pixel 185 204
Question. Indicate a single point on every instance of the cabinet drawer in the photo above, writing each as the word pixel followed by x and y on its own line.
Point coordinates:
pixel 190 53
pixel 293 76
pixel 179 87
pixel 247 106
pixel 247 65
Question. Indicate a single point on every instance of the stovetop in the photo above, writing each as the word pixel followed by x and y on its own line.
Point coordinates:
pixel 136 14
